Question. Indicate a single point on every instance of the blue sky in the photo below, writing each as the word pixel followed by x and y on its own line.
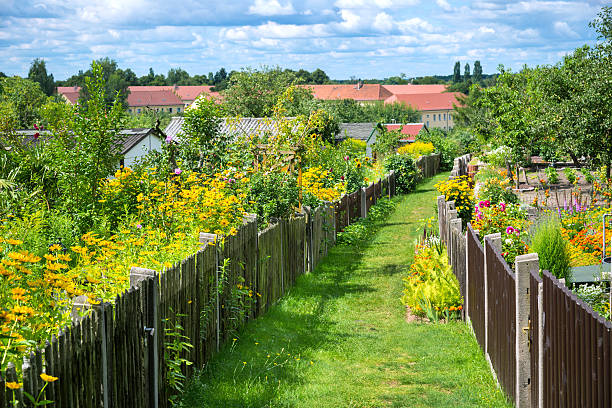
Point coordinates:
pixel 360 38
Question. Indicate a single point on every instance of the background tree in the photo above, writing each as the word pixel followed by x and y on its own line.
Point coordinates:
pixel 178 76
pixel 38 73
pixel 466 73
pixel 115 80
pixel 319 77
pixel 25 97
pixel 477 77
pixel 457 72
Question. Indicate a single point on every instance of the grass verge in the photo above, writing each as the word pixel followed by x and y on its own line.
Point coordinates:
pixel 340 339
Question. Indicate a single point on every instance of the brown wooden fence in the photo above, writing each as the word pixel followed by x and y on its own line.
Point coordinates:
pixel 576 350
pixel 115 356
pixel 547 347
pixel 501 319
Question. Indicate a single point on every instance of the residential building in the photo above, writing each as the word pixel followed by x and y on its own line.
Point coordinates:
pixel 360 92
pixel 70 93
pixel 436 109
pixel 409 131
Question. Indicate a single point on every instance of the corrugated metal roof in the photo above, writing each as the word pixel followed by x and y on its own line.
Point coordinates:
pixel 230 126
pixel 361 131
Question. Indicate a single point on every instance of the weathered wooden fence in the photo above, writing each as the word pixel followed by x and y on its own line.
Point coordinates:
pixel 118 355
pixel 429 164
pixel 546 347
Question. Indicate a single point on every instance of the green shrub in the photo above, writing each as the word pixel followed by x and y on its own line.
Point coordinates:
pixel 570 174
pixel 551 175
pixel 588 176
pixel 272 195
pixel 406 172
pixel 355 147
pixel 447 146
pixel 499 156
pixel 552 249
pixel 596 296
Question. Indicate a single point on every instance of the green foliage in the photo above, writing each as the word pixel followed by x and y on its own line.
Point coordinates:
pixel 148 119
pixel 201 133
pixel 387 141
pixel 355 147
pixel 273 194
pixel 25 97
pixel 449 147
pixel 547 241
pixel 497 191
pixel 588 176
pixel 351 111
pixel 254 93
pixel 361 230
pixel 38 73
pixel 89 152
pixel 596 296
pixel 406 172
pixel 570 174
pixel 499 156
pixel 431 288
pixel 552 175
pixel 176 344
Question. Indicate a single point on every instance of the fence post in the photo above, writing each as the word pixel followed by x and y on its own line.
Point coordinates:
pixel 524 265
pixel 450 215
pixel 364 207
pixel 441 200
pixel 540 329
pixel 495 241
pixel 139 277
pixel 455 225
pixel 466 295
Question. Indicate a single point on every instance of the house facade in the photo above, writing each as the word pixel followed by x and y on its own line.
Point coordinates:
pixel 436 109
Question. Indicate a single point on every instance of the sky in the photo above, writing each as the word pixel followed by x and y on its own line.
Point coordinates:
pixel 345 38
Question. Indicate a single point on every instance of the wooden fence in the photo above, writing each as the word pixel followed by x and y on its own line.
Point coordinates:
pixel 545 346
pixel 118 355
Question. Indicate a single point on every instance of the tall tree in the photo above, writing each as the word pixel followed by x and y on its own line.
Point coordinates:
pixel 319 77
pixel 477 77
pixel 466 72
pixel 178 76
pixel 38 73
pixel 115 81
pixel 25 97
pixel 457 72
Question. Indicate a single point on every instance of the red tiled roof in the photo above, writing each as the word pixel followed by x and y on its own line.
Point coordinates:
pixel 409 129
pixel 185 92
pixel 153 98
pixel 415 89
pixel 69 92
pixel 367 92
pixel 427 102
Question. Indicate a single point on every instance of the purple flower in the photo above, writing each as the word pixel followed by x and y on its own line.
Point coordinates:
pixel 139 226
pixel 177 171
pixel 510 230
pixel 168 138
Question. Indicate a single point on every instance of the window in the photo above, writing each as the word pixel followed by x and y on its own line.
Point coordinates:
pixel 445 116
pixel 138 110
pixel 428 116
pixel 439 116
pixel 178 109
pixel 170 110
pixel 427 122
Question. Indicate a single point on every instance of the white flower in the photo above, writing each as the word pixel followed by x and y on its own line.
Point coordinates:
pixel 508 241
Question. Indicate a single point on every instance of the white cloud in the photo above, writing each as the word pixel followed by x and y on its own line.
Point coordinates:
pixel 444 5
pixel 486 30
pixel 350 20
pixel 271 8
pixel 563 29
pixel 114 33
pixel 383 22
pixel 415 25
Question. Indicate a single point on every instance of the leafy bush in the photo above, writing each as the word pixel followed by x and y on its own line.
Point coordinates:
pixel 354 146
pixel 431 289
pixel 552 249
pixel 272 195
pixel 499 156
pixel 497 191
pixel 551 175
pixel 448 147
pixel 406 172
pixel 596 296
pixel 570 174
pixel 417 149
pixel 588 176
pixel 386 142
pixel 362 229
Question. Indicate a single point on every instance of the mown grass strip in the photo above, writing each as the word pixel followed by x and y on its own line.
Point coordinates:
pixel 340 339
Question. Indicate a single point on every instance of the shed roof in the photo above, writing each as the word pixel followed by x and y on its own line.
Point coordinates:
pixel 361 131
pixel 230 126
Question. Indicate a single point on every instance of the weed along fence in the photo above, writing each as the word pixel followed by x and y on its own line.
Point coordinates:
pixel 546 347
pixel 133 352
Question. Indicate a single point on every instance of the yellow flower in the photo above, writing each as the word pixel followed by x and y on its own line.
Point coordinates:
pixel 13 385
pixel 48 378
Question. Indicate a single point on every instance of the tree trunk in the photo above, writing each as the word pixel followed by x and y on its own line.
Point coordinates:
pixel 574 159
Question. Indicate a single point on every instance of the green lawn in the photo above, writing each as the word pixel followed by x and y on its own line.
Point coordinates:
pixel 340 339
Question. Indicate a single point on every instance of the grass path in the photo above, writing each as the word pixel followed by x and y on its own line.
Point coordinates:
pixel 339 338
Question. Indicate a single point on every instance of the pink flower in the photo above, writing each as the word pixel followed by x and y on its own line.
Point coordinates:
pixel 346 158
pixel 342 178
pixel 502 206
pixel 139 226
pixel 510 230
pixel 487 203
pixel 481 204
pixel 168 138
pixel 35 126
pixel 36 135
pixel 177 171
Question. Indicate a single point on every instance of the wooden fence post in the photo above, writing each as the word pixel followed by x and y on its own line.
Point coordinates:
pixel 450 215
pixel 455 225
pixel 524 265
pixel 364 207
pixel 540 329
pixel 495 242
pixel 146 280
pixel 441 201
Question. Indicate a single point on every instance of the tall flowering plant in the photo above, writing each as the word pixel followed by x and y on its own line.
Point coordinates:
pixel 507 219
pixel 460 191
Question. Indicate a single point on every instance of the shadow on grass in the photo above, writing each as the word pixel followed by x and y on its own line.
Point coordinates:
pixel 273 350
